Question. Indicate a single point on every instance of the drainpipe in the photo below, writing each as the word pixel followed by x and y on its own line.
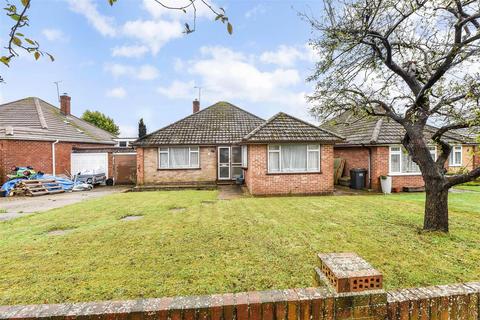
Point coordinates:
pixel 53 156
pixel 369 168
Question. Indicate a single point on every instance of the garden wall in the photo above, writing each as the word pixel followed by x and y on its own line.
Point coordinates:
pixel 352 290
pixel 459 301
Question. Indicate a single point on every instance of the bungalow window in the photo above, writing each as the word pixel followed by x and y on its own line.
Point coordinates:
pixel 455 156
pixel 178 157
pixel 287 158
pixel 401 162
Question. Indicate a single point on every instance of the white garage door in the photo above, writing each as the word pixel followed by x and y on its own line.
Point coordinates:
pixel 89 163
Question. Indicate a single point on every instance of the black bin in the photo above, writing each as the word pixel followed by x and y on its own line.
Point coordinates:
pixel 358 178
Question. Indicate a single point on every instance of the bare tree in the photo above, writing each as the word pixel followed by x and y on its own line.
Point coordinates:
pixel 414 61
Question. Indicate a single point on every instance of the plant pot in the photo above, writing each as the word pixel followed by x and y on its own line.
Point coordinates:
pixel 386 183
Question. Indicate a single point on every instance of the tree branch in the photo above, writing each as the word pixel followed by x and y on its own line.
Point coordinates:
pixel 462 178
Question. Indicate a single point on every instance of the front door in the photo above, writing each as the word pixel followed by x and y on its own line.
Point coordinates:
pixel 223 163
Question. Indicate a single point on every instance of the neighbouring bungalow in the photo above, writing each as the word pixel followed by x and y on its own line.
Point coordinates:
pixel 283 155
pixel 36 133
pixel 374 143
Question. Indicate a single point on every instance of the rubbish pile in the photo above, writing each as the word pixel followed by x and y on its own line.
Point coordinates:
pixel 24 181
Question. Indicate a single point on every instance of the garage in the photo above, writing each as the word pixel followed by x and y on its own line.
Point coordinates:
pixel 125 168
pixel 90 162
pixel 118 163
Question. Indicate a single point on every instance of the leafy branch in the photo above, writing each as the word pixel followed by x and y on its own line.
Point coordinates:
pixel 17 40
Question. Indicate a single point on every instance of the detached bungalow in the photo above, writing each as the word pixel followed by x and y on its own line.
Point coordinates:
pixel 374 143
pixel 283 155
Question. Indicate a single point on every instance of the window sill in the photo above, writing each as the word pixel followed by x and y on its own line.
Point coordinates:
pixel 455 165
pixel 176 169
pixel 292 173
pixel 405 174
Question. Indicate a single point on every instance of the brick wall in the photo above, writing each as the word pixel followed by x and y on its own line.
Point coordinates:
pixel 140 166
pixel 37 154
pixel 355 157
pixel 468 160
pixel 149 174
pixel 259 182
pixel 459 302
pixel 380 166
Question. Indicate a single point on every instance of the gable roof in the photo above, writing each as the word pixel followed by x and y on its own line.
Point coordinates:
pixel 368 130
pixel 34 119
pixel 218 124
pixel 285 128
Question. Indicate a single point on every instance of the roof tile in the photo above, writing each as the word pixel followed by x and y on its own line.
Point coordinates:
pixel 285 128
pixel 221 123
pixel 34 119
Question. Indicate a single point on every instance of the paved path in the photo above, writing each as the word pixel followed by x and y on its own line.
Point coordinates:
pixel 229 192
pixel 15 207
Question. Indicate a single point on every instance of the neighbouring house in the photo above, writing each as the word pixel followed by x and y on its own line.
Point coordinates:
pixel 374 143
pixel 38 134
pixel 283 155
pixel 124 142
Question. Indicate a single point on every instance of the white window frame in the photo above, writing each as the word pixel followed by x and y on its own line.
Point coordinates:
pixel 451 159
pixel 192 149
pixel 244 156
pixel 401 152
pixel 317 149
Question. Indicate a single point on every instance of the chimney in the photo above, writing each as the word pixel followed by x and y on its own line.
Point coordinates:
pixel 196 106
pixel 65 104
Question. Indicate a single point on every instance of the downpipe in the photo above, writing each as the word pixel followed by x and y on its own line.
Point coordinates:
pixel 53 157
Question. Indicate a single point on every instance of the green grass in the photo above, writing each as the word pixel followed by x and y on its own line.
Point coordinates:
pixel 226 246
pixel 468 187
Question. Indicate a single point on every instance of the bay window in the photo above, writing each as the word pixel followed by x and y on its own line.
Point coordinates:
pixel 291 158
pixel 178 157
pixel 400 161
pixel 455 156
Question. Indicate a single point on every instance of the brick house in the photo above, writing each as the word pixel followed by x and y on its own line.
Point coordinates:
pixel 375 144
pixel 218 144
pixel 38 134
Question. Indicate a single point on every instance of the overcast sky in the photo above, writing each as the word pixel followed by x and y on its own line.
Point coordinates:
pixel 132 60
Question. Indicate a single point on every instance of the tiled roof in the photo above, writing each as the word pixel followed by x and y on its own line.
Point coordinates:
pixel 285 128
pixel 472 133
pixel 35 119
pixel 367 130
pixel 218 124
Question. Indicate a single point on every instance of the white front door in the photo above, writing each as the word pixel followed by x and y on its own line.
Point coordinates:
pixel 223 163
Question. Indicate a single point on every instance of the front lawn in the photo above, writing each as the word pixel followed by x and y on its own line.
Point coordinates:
pixel 226 246
pixel 468 187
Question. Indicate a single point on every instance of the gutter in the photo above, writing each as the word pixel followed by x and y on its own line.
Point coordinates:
pixel 53 156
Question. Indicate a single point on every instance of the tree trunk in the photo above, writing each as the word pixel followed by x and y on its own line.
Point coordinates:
pixel 436 207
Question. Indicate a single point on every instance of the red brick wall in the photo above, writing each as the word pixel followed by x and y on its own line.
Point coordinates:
pixel 355 157
pixel 37 154
pixel 140 180
pixel 259 182
pixel 455 302
pixel 380 158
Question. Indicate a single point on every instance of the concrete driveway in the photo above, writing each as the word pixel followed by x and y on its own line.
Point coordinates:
pixel 14 207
